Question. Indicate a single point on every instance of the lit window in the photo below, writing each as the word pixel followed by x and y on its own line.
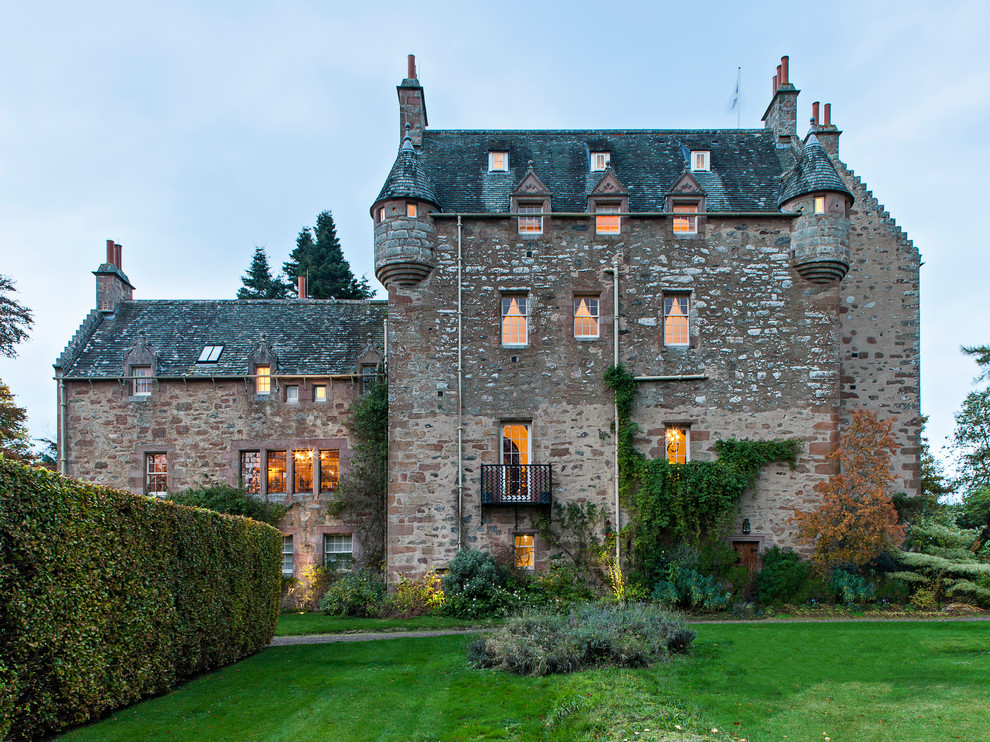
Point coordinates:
pixel 600 160
pixel 700 160
pixel 320 393
pixel 263 384
pixel 142 380
pixel 381 214
pixel 607 224
pixel 210 354
pixel 677 440
pixel 329 470
pixel 411 210
pixel 685 224
pixel 675 320
pixel 530 224
pixel 819 204
pixel 498 162
pixel 302 471
pixel 276 472
pixel 156 474
pixel 292 394
pixel 524 552
pixel 251 472
pixel 287 560
pixel 369 371
pixel 338 550
pixel 586 317
pixel 514 320
pixel 515 462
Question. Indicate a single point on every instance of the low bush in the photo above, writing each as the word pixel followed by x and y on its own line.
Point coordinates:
pixel 783 576
pixel 477 586
pixel 108 597
pixel 635 635
pixel 851 589
pixel 412 598
pixel 359 593
pixel 223 498
pixel 688 588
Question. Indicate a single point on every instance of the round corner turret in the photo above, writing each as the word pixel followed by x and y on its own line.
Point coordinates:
pixel 405 241
pixel 820 236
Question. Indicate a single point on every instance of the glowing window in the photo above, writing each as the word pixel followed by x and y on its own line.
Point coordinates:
pixel 819 204
pixel 498 162
pixel 142 380
pixel 156 474
pixel 276 472
pixel 515 461
pixel 263 382
pixel 684 224
pixel 514 320
pixel 329 470
pixel 320 393
pixel 411 210
pixel 381 214
pixel 338 550
pixel 607 224
pixel 700 160
pixel 530 224
pixel 600 160
pixel 251 472
pixel 287 555
pixel 586 317
pixel 524 552
pixel 302 471
pixel 675 320
pixel 677 440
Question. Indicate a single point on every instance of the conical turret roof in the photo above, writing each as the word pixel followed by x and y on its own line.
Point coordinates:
pixel 812 172
pixel 408 178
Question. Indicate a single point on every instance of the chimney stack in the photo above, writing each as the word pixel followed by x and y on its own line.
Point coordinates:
pixel 302 286
pixel 112 286
pixel 412 106
pixel 781 114
pixel 828 133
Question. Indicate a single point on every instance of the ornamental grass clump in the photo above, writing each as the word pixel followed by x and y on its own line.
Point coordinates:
pixel 591 635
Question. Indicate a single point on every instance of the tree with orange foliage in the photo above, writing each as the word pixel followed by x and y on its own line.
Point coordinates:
pixel 856 520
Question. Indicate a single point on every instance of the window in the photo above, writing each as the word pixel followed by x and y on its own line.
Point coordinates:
pixel 586 317
pixel 142 380
pixel 530 224
pixel 685 224
pixel 368 373
pixel 210 354
pixel 524 552
pixel 514 320
pixel 276 472
pixel 600 160
pixel 381 214
pixel 677 439
pixel 607 224
pixel 515 460
pixel 329 470
pixel 302 471
pixel 700 160
pixel 675 320
pixel 263 382
pixel 498 162
pixel 411 210
pixel 156 474
pixel 251 472
pixel 292 394
pixel 338 550
pixel 287 560
pixel 320 393
pixel 819 204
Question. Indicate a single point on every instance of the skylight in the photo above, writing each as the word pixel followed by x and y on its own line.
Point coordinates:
pixel 210 354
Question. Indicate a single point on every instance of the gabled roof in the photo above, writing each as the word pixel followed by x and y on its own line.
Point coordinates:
pixel 408 178
pixel 813 172
pixel 746 166
pixel 309 336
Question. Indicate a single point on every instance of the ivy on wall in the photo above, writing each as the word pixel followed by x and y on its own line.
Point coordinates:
pixel 683 503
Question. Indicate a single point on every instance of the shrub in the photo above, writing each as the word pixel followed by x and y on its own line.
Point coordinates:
pixel 851 589
pixel 783 576
pixel 418 597
pixel 690 589
pixel 546 643
pixel 109 597
pixel 359 593
pixel 223 498
pixel 476 586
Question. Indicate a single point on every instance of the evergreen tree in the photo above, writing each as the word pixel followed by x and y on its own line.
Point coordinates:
pixel 973 429
pixel 318 256
pixel 15 319
pixel 15 443
pixel 259 282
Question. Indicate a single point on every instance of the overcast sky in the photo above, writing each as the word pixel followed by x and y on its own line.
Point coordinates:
pixel 190 132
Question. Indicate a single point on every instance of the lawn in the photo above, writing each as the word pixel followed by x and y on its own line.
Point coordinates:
pixel 299 624
pixel 761 682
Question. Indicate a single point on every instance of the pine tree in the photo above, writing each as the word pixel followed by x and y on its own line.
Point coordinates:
pixel 318 256
pixel 259 282
pixel 973 429
pixel 15 443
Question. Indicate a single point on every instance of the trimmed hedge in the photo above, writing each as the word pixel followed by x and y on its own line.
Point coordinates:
pixel 107 597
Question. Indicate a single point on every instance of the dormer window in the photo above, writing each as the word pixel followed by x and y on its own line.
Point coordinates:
pixel 600 161
pixel 530 224
pixel 263 382
pixel 498 162
pixel 700 159
pixel 685 224
pixel 411 210
pixel 607 219
pixel 142 380
pixel 210 354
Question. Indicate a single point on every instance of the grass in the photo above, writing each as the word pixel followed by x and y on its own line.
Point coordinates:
pixel 301 624
pixel 850 681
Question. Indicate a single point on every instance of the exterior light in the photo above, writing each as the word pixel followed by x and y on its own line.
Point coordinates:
pixel 745 525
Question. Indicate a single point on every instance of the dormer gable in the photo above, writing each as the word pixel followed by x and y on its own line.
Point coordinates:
pixel 686 185
pixel 263 354
pixel 531 185
pixel 140 354
pixel 609 185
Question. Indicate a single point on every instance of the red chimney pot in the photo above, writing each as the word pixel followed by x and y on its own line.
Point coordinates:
pixel 119 256
pixel 111 253
pixel 784 64
pixel 302 287
pixel 814 112
pixel 828 114
pixel 412 67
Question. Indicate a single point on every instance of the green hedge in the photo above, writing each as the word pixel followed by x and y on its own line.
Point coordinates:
pixel 107 597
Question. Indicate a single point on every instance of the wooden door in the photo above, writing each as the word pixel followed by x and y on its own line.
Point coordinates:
pixel 749 554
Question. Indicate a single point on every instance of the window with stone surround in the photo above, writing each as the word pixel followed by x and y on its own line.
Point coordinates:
pixel 819 204
pixel 329 470
pixel 156 474
pixel 250 477
pixel 607 219
pixel 263 380
pixel 525 553
pixel 498 162
pixel 411 210
pixel 514 331
pixel 677 440
pixel 288 555
pixel 142 380
pixel 276 472
pixel 338 550
pixel 685 224
pixel 586 317
pixel 530 224
pixel 369 371
pixel 676 319
pixel 319 392
pixel 302 471
pixel 292 394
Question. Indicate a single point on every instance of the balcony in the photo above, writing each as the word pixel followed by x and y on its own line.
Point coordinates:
pixel 523 484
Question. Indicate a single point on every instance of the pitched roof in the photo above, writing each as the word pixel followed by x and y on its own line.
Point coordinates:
pixel 309 336
pixel 812 172
pixel 746 166
pixel 408 178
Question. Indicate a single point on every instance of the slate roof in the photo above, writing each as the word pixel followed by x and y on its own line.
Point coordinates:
pixel 812 172
pixel 408 178
pixel 309 336
pixel 746 166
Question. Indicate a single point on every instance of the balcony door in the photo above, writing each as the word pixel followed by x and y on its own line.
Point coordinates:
pixel 515 462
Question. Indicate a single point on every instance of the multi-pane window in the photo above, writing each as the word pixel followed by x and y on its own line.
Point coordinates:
pixel 700 160
pixel 263 382
pixel 686 224
pixel 276 472
pixel 287 555
pixel 675 320
pixel 292 394
pixel 329 470
pixel 586 317
pixel 338 550
pixel 819 204
pixel 515 460
pixel 302 471
pixel 251 472
pixel 498 162
pixel 156 474
pixel 411 209
pixel 530 224
pixel 514 320
pixel 320 393
pixel 677 440
pixel 600 160
pixel 607 219
pixel 142 380
pixel 368 373
pixel 524 552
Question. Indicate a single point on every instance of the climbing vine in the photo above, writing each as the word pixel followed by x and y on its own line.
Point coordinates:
pixel 683 503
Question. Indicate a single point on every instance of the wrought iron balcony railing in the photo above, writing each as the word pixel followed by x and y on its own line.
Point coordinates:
pixel 523 484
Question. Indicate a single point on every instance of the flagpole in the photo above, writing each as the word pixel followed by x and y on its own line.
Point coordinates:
pixel 739 102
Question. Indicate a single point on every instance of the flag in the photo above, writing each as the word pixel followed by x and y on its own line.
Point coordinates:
pixel 735 95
